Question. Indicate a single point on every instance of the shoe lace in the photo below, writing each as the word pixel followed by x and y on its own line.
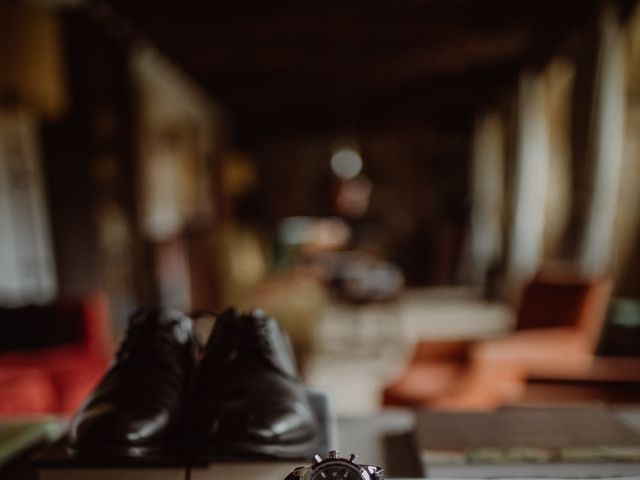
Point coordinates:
pixel 144 345
pixel 256 338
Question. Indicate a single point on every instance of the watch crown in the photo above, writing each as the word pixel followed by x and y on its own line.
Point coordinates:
pixel 352 457
pixel 333 454
pixel 317 459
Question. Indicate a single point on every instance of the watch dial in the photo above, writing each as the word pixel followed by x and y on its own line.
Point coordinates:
pixel 337 471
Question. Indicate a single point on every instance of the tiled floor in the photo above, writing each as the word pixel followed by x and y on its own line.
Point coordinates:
pixel 360 349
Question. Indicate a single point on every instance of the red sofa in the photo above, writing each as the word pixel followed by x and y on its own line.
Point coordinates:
pixel 51 356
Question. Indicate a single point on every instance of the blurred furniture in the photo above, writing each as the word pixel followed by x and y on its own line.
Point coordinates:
pixel 614 373
pixel 369 289
pixel 232 269
pixel 52 355
pixel 387 439
pixel 558 322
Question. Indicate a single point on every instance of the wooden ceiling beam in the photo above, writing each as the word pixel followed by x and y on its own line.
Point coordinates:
pixel 281 65
pixel 456 53
pixel 339 35
pixel 445 94
pixel 286 14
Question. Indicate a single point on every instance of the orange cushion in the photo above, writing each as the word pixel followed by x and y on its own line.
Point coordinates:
pixel 546 304
pixel 70 371
pixel 545 352
pixel 421 383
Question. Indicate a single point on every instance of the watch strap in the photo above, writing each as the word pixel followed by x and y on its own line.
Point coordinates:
pixel 376 473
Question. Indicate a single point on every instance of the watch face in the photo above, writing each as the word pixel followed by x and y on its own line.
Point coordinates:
pixel 337 471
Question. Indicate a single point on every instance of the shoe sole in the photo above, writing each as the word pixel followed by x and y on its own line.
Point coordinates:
pixel 298 451
pixel 134 454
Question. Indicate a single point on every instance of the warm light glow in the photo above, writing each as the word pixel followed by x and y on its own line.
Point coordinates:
pixel 346 163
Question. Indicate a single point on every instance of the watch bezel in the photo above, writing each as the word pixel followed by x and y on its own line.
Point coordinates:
pixel 343 462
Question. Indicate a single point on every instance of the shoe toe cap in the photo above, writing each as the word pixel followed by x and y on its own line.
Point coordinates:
pixel 105 425
pixel 265 425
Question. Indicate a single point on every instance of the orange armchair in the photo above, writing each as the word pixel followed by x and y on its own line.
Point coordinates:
pixel 558 322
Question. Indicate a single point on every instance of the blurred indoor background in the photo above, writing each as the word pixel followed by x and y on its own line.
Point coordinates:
pixel 438 199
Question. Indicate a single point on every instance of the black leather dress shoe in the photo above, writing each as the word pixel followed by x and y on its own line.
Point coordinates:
pixel 248 398
pixel 137 409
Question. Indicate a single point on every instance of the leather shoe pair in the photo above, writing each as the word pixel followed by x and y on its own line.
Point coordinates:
pixel 241 395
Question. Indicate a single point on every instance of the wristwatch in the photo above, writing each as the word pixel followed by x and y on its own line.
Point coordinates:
pixel 336 468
